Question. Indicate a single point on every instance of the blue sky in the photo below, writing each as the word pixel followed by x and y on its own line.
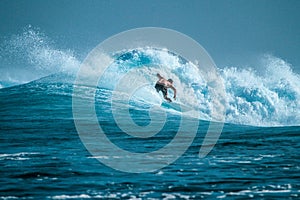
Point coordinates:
pixel 233 32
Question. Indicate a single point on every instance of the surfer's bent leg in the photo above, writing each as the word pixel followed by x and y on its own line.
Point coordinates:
pixel 165 93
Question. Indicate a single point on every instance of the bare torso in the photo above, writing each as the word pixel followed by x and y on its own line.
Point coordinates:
pixel 164 82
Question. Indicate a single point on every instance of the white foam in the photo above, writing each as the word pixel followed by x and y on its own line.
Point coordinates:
pixel 8 197
pixel 81 196
pixel 252 192
pixel 167 196
pixel 268 98
pixel 18 154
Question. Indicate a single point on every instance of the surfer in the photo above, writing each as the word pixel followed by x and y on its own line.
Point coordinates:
pixel 163 84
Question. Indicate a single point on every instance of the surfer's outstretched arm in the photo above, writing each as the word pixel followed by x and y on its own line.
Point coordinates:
pixel 174 89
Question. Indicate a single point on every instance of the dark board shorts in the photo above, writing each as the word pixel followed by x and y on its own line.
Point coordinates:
pixel 161 88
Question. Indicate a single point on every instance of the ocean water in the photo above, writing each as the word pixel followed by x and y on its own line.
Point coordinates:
pixel 43 155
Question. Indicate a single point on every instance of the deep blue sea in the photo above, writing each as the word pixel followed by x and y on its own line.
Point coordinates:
pixel 43 155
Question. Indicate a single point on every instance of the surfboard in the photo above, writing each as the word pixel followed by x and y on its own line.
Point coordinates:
pixel 176 106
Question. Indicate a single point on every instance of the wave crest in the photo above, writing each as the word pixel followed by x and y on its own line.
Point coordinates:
pixel 267 98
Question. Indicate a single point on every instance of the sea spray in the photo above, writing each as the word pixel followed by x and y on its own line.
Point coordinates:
pixel 31 55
